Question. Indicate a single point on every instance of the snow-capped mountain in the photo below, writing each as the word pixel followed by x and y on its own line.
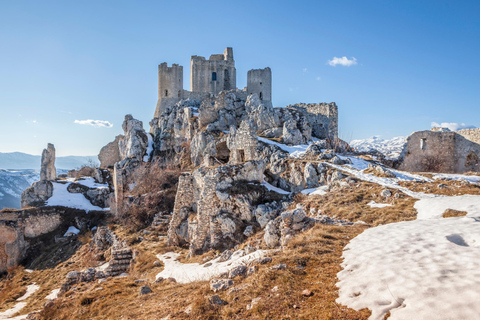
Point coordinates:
pixel 20 170
pixel 390 148
pixel 12 184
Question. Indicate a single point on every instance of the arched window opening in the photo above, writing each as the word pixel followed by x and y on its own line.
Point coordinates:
pixel 214 76
pixel 261 95
pixel 166 93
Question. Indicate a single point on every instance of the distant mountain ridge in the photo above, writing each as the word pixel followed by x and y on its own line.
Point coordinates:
pixel 391 148
pixel 19 160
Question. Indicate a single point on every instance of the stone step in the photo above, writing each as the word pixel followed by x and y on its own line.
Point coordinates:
pixel 120 262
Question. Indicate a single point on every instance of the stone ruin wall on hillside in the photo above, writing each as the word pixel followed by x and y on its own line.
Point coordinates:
pixel 442 151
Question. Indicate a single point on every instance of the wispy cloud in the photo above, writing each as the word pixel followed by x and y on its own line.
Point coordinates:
pixel 318 78
pixel 343 61
pixel 304 69
pixel 95 123
pixel 453 126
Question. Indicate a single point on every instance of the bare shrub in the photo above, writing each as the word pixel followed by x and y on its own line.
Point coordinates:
pixel 154 190
pixel 432 163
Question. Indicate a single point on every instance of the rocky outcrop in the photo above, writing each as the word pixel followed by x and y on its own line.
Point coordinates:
pixel 47 168
pixel 214 206
pixel 42 190
pixel 283 228
pixel 110 154
pixel 135 141
pixel 37 194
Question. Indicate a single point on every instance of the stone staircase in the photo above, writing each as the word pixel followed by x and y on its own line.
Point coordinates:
pixel 119 262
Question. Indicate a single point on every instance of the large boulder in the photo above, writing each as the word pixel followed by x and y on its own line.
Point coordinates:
pixel 47 169
pixel 37 194
pixel 110 153
pixel 135 141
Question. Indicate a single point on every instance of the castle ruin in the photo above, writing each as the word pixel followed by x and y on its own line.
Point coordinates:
pixel 207 79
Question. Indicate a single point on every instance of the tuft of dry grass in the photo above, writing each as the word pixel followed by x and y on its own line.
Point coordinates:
pixel 453 213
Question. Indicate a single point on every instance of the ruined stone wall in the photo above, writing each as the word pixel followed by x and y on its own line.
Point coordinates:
pixel 441 151
pixel 216 74
pixel 429 151
pixel 259 81
pixel 199 96
pixel 18 225
pixel 170 86
pixel 323 117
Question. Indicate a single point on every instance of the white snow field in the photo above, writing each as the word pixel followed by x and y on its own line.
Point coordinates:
pixel 61 197
pixel 423 269
pixel 190 272
pixel 88 182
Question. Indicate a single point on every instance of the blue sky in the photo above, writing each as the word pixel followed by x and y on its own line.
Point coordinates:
pixel 416 62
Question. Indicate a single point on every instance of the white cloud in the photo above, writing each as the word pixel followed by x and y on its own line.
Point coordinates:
pixel 318 78
pixel 343 61
pixel 453 126
pixel 95 123
pixel 305 70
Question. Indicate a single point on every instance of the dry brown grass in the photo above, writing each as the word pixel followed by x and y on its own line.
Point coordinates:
pixel 350 203
pixel 453 213
pixel 451 187
pixel 318 250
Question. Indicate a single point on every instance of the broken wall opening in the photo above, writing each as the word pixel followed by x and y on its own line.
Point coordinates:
pixel 223 153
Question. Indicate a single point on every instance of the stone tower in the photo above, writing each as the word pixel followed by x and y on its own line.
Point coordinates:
pixel 170 86
pixel 259 81
pixel 213 75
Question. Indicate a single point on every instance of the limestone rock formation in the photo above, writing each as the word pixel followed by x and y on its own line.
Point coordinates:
pixel 135 141
pixel 47 169
pixel 110 153
pixel 214 206
pixel 37 194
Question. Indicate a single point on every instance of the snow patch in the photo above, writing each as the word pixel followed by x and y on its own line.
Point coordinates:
pixel 146 157
pixel 295 151
pixel 73 230
pixel 53 294
pixel 433 208
pixel 373 204
pixel 422 269
pixel 31 289
pixel 320 191
pixel 90 183
pixel 190 272
pixel 61 197
pixel 272 188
